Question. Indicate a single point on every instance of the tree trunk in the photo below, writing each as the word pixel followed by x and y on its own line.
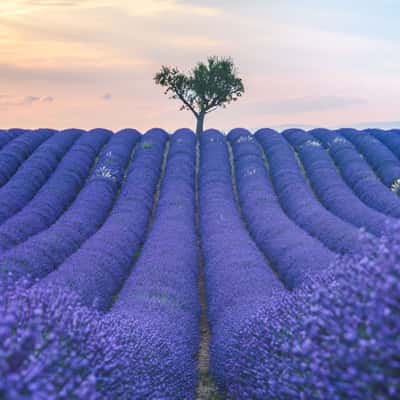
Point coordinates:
pixel 200 125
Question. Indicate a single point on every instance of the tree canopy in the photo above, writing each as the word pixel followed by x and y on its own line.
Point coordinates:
pixel 207 87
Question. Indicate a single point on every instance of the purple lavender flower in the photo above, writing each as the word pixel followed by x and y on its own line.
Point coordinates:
pixel 98 269
pixel 358 174
pixel 298 200
pixel 51 347
pixel 161 290
pixel 43 252
pixel 329 186
pixel 391 139
pixel 115 314
pixel 237 276
pixel 7 135
pixel 14 153
pixel 33 173
pixel 337 338
pixel 293 252
pixel 57 193
pixel 382 160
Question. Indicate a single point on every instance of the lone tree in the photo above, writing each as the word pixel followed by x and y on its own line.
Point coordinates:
pixel 208 87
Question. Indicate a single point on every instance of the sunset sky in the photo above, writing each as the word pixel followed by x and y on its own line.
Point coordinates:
pixel 90 63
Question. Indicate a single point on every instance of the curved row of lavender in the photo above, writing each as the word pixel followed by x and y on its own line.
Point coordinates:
pixel 298 200
pixel 57 193
pixel 358 174
pixel 7 136
pixel 293 253
pixel 43 252
pixel 146 356
pixel 76 335
pixel 334 338
pixel 14 153
pixel 383 161
pixel 237 276
pixel 330 187
pixel 98 269
pixel 161 292
pixel 391 139
pixel 33 173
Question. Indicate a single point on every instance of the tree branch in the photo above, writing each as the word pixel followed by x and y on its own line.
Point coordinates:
pixel 180 95
pixel 214 103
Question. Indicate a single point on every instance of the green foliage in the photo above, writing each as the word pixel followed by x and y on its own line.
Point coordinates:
pixel 208 86
pixel 146 145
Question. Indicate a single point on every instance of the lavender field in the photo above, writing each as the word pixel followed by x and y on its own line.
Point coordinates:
pixel 257 265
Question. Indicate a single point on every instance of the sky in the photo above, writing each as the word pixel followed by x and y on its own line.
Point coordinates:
pixel 304 63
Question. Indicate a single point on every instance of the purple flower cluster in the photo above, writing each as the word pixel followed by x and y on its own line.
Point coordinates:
pixel 53 348
pixel 98 269
pixel 146 346
pixel 385 164
pixel 237 276
pixel 161 291
pixel 338 338
pixel 50 347
pixel 13 154
pixel 293 253
pixel 330 187
pixel 43 252
pixel 57 193
pixel 99 265
pixel 34 172
pixel 358 174
pixel 298 200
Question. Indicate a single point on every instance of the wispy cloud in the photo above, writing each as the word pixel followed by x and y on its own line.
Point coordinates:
pixel 47 99
pixel 140 8
pixel 107 96
pixel 21 7
pixel 9 101
pixel 52 3
pixel 30 99
pixel 80 74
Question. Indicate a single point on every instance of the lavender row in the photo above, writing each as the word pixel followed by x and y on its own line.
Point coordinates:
pixel 98 269
pixel 293 253
pixel 391 139
pixel 297 199
pixel 87 355
pixel 42 253
pixel 51 347
pixel 18 150
pixel 33 173
pixel 336 339
pixel 358 174
pixel 57 193
pixel 161 293
pixel 329 186
pixel 7 136
pixel 237 277
pixel 383 161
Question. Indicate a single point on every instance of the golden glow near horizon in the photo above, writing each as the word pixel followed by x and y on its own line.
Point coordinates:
pixel 59 27
pixel 12 8
pixel 90 63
